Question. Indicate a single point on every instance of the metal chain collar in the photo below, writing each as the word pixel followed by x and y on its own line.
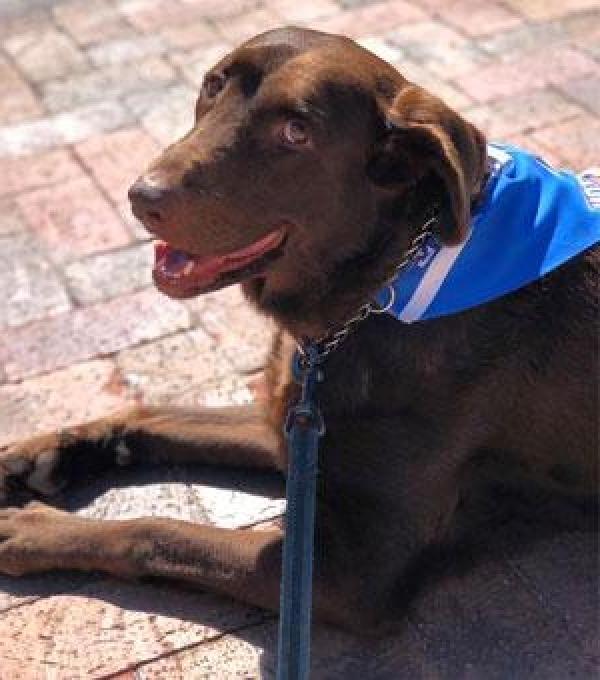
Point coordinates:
pixel 329 342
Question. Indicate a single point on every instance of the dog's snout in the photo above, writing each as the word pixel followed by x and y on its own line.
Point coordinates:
pixel 150 199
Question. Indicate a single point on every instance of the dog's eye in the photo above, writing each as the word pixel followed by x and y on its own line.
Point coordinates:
pixel 295 132
pixel 213 84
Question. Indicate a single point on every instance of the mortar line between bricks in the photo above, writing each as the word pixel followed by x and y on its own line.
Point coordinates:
pixel 37 85
pixel 557 89
pixel 31 84
pixel 449 81
pixel 88 171
pixel 91 579
pixel 137 665
pixel 55 268
pixel 108 356
pixel 115 5
pixel 580 105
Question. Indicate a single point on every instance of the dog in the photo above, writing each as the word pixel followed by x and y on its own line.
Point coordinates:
pixel 311 171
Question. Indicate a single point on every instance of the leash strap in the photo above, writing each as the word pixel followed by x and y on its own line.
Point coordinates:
pixel 304 426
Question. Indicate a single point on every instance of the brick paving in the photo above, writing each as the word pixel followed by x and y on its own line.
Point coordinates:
pixel 91 89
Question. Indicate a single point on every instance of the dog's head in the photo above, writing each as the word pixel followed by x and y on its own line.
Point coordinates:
pixel 310 167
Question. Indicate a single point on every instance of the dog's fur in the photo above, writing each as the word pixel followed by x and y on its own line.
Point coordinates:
pixel 424 421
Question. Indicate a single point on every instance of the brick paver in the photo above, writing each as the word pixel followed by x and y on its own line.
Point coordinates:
pixel 116 159
pixel 45 56
pixel 87 22
pixel 531 70
pixel 18 101
pixel 91 90
pixel 73 219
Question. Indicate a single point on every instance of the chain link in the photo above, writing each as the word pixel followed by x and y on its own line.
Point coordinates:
pixel 328 343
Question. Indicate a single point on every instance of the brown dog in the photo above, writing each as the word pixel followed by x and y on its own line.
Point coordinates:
pixel 294 183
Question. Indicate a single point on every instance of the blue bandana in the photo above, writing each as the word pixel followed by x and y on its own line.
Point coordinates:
pixel 532 219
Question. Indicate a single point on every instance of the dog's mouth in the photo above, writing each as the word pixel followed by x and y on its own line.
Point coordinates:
pixel 180 274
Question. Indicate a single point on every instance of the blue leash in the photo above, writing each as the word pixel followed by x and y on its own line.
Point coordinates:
pixel 304 426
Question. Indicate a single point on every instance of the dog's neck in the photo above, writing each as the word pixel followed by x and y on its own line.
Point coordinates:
pixel 319 312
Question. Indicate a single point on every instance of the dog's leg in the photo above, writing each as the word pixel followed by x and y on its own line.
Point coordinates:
pixel 242 563
pixel 239 437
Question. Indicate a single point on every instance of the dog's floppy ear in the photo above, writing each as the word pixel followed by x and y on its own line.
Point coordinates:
pixel 428 144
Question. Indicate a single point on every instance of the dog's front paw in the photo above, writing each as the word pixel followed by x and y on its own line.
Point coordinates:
pixel 30 465
pixel 32 538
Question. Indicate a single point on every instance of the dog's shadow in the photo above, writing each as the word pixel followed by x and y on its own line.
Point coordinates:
pixel 521 603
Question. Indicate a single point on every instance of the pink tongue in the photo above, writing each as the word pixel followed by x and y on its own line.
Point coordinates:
pixel 178 265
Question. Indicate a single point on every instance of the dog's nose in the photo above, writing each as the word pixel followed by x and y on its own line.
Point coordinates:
pixel 150 199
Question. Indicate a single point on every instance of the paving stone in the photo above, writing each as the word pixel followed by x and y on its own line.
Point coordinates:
pixel 522 113
pixel 116 159
pixel 153 15
pixel 194 64
pixel 89 332
pixel 573 29
pixel 122 50
pixel 233 390
pixel 563 559
pixel 590 44
pixel 64 128
pixel 101 277
pixel 18 101
pixel 252 652
pixel 116 626
pixel 32 172
pixel 577 141
pixel 77 394
pixel 16 23
pixel 73 219
pixel 544 9
pixel 11 8
pixel 243 335
pixel 236 30
pixel 11 219
pixel 302 12
pixel 17 592
pixel 526 37
pixel 174 370
pixel 374 19
pixel 478 17
pixel 585 91
pixel 46 55
pixel 438 48
pixel 91 21
pixel 216 9
pixel 166 115
pixel 189 35
pixel 533 70
pixel 223 497
pixel 231 657
pixel 350 4
pixel 30 288
pixel 111 82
